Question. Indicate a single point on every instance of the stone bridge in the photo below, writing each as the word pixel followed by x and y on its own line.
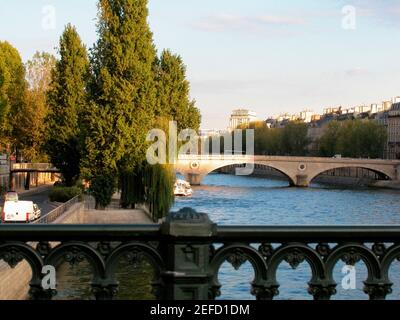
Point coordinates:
pixel 300 171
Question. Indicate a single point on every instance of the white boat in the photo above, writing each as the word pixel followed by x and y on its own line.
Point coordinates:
pixel 182 189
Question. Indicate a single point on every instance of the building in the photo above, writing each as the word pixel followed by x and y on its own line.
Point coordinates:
pixel 333 110
pixel 241 117
pixel 393 127
pixel 387 105
pixel 306 116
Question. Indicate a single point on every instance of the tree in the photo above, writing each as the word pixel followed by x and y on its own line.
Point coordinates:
pixel 295 139
pixel 274 141
pixel 13 88
pixel 68 102
pixel 122 87
pixel 30 129
pixel 173 92
pixel 362 139
pixel 328 144
pixel 159 191
pixel 354 139
pixel 4 86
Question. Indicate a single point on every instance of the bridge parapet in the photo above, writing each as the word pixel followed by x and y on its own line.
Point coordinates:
pixel 187 262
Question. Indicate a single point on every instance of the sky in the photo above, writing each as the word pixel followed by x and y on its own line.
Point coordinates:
pixel 269 56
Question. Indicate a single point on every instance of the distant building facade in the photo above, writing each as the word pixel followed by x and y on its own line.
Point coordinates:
pixel 241 117
pixel 306 116
pixel 393 127
pixel 386 113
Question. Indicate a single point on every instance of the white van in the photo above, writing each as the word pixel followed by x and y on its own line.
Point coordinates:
pixel 20 212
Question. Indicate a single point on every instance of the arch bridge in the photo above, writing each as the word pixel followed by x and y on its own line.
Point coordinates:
pixel 300 171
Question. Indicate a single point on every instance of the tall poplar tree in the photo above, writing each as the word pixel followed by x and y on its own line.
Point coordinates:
pixel 173 92
pixel 67 100
pixel 122 88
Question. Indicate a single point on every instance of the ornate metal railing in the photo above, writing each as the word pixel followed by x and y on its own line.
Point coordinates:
pixel 187 251
pixel 58 212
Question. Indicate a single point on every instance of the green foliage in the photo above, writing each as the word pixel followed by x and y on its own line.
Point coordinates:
pixel 267 141
pixel 13 88
pixel 123 86
pixel 102 188
pixel 23 104
pixel 152 185
pixel 354 139
pixel 173 92
pixel 291 140
pixel 132 188
pixel 159 183
pixel 67 99
pixel 97 112
pixel 123 80
pixel 63 194
pixel 328 144
pixel 4 86
pixel 295 139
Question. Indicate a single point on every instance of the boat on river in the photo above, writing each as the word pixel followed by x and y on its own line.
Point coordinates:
pixel 182 188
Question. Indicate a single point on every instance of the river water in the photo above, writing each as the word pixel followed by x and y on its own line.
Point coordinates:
pixel 235 200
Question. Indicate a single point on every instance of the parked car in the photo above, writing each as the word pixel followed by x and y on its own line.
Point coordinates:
pixel 11 196
pixel 20 212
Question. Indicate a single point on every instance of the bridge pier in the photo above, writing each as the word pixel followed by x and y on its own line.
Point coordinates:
pixel 302 181
pixel 194 179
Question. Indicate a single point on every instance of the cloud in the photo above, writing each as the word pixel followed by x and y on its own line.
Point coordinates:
pixel 231 22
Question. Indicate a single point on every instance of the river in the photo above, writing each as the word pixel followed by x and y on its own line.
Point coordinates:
pixel 235 200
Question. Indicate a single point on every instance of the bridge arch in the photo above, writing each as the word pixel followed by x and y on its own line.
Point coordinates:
pixel 379 171
pixel 204 171
pixel 284 172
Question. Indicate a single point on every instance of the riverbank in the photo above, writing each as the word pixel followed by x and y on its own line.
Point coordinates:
pixel 393 185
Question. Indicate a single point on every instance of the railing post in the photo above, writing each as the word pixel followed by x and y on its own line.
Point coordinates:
pixel 187 252
pixel 378 290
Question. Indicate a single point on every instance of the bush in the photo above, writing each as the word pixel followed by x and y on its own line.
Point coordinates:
pixel 63 194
